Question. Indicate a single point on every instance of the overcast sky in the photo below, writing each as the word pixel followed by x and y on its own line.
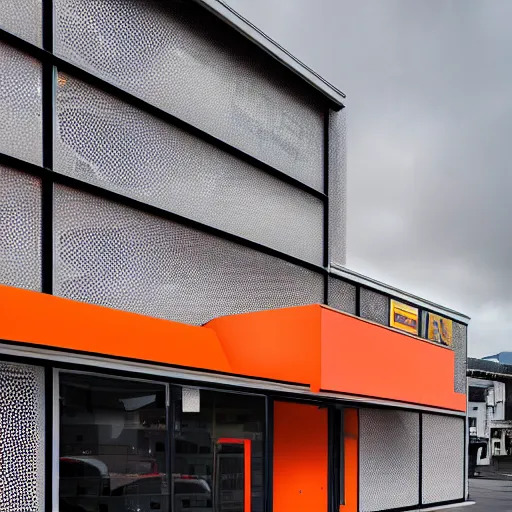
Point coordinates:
pixel 429 107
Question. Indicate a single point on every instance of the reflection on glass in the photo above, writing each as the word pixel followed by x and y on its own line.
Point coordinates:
pixel 112 445
pixel 210 454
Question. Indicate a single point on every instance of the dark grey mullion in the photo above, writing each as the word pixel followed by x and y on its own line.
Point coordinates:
pixel 47 234
pixel 47 96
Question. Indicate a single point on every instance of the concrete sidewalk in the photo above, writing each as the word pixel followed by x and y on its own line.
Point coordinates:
pixel 489 495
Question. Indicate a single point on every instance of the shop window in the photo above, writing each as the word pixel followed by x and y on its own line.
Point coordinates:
pixel 218 461
pixel 113 447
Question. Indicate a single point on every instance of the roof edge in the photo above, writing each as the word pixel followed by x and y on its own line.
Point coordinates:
pixel 226 13
pixel 353 276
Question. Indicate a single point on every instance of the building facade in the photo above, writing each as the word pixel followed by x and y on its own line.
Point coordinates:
pixel 178 329
pixel 490 409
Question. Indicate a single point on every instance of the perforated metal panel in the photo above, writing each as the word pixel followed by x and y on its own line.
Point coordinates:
pixel 104 141
pixel 20 229
pixel 190 400
pixel 374 306
pixel 21 438
pixel 443 458
pixel 181 58
pixel 388 460
pixel 337 187
pixel 20 105
pixel 22 18
pixel 460 349
pixel 342 295
pixel 115 256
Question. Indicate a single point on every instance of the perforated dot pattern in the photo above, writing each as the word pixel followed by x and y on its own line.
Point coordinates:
pixel 22 18
pixel 443 458
pixel 20 105
pixel 374 306
pixel 389 459
pixel 337 187
pixel 21 438
pixel 20 229
pixel 460 349
pixel 118 257
pixel 176 55
pixel 342 295
pixel 104 141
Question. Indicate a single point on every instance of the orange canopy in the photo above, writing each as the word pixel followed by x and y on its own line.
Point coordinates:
pixel 312 345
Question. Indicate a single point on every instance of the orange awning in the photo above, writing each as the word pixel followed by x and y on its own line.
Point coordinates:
pixel 311 345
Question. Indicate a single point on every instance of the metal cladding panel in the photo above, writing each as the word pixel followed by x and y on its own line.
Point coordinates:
pixel 22 430
pixel 114 256
pixel 22 18
pixel 20 229
pixel 442 458
pixel 183 59
pixel 460 349
pixel 337 187
pixel 20 105
pixel 374 306
pixel 104 141
pixel 342 295
pixel 389 459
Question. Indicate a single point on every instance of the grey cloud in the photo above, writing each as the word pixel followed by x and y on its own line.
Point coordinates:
pixel 429 139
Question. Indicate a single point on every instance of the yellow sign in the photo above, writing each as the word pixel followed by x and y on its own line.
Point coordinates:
pixel 439 329
pixel 404 317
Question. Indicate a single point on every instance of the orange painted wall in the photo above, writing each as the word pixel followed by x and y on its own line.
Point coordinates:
pixel 32 317
pixel 351 431
pixel 280 344
pixel 300 458
pixel 366 359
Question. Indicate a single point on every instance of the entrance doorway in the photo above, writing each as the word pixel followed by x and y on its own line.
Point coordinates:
pixel 300 457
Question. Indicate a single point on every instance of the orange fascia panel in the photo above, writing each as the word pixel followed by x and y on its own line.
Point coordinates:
pixel 40 319
pixel 366 359
pixel 280 344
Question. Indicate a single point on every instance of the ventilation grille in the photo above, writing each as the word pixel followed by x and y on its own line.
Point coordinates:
pixel 114 256
pixel 342 295
pixel 20 105
pixel 178 56
pixel 389 459
pixel 21 438
pixel 443 458
pixel 104 141
pixel 20 229
pixel 22 18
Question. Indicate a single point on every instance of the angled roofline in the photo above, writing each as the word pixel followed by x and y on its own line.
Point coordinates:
pixel 227 14
pixel 350 275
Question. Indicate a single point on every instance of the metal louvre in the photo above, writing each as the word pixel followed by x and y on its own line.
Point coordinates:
pixel 442 458
pixel 374 306
pixel 22 18
pixel 341 295
pixel 20 229
pixel 112 255
pixel 20 105
pixel 181 58
pixel 389 459
pixel 104 141
pixel 460 349
pixel 337 187
pixel 22 436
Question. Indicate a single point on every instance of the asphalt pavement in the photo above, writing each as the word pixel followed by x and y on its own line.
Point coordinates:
pixel 489 495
